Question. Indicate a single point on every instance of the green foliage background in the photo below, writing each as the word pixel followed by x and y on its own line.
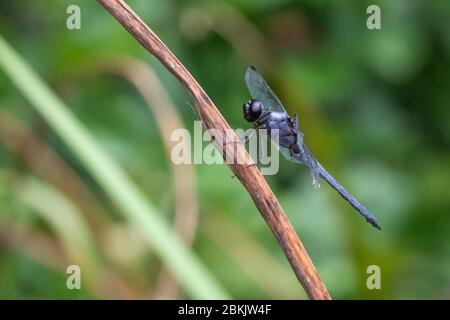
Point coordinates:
pixel 374 107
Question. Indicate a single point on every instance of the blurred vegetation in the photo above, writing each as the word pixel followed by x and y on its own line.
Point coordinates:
pixel 374 107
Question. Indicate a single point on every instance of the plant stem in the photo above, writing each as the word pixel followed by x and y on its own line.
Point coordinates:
pixel 249 175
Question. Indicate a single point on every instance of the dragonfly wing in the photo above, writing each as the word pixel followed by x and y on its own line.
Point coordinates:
pixel 305 157
pixel 288 156
pixel 259 89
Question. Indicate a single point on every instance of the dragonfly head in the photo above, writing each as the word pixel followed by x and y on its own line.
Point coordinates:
pixel 252 110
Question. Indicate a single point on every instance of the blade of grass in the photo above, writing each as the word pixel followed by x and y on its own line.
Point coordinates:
pixel 65 220
pixel 74 235
pixel 167 118
pixel 185 266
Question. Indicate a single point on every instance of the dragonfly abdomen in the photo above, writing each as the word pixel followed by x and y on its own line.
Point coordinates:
pixel 348 197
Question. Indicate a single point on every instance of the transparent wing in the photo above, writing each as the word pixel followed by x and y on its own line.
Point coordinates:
pixel 287 155
pixel 259 89
pixel 305 157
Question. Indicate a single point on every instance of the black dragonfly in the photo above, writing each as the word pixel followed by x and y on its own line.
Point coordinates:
pixel 265 111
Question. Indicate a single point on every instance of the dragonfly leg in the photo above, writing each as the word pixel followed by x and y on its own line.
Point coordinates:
pixel 247 136
pixel 294 121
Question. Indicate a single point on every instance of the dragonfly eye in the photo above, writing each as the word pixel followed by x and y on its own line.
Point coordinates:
pixel 252 110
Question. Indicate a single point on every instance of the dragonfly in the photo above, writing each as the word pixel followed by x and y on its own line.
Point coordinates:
pixel 265 111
